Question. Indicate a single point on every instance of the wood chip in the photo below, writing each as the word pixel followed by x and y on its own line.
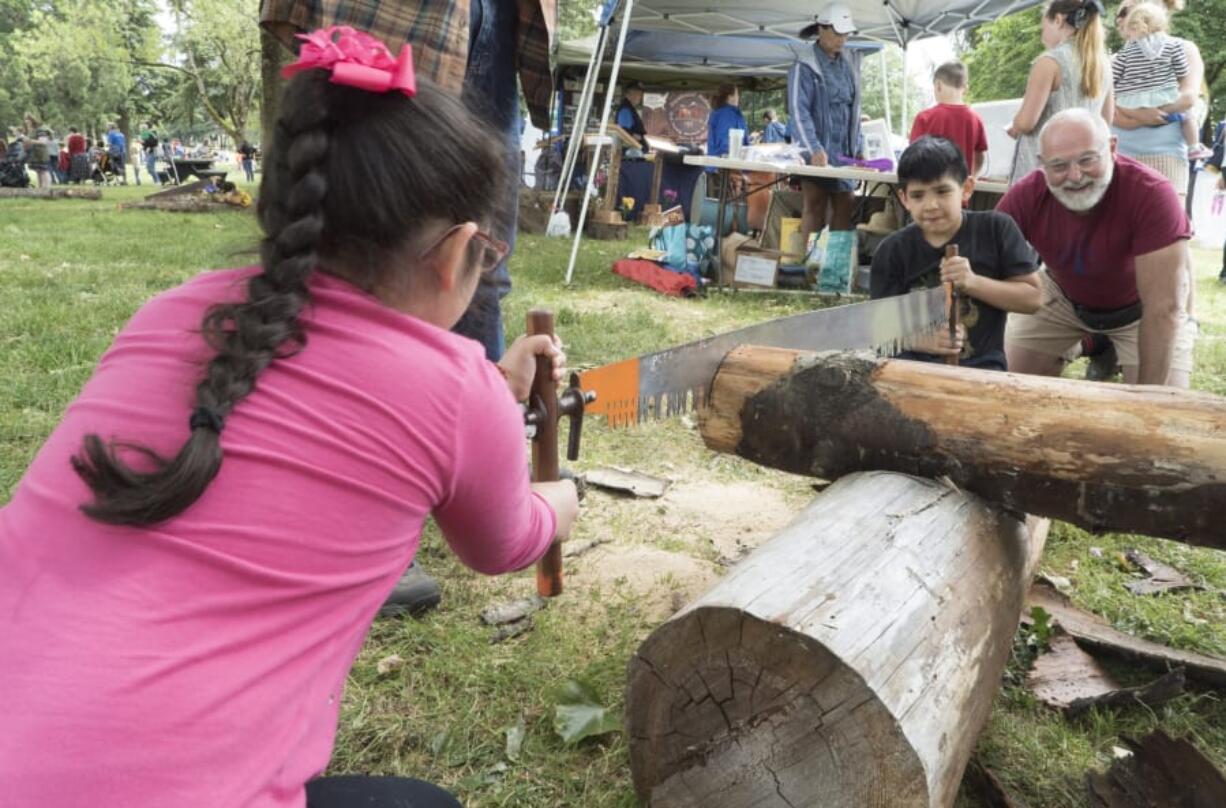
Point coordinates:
pixel 1094 634
pixel 1162 771
pixel 388 664
pixel 1160 577
pixel 627 481
pixel 503 613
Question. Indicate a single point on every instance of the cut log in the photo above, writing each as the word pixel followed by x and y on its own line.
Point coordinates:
pixel 50 193
pixel 1105 457
pixel 851 661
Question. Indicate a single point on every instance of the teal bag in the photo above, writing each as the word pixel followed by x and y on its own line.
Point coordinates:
pixel 839 263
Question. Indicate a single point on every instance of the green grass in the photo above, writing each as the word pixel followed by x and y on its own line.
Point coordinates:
pixel 72 272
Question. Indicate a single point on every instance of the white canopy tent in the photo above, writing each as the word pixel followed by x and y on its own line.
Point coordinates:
pixel 889 21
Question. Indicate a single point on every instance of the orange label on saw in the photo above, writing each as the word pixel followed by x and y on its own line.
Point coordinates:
pixel 617 392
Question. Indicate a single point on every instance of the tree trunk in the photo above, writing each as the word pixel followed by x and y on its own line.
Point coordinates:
pixel 849 662
pixel 51 193
pixel 1105 457
pixel 273 56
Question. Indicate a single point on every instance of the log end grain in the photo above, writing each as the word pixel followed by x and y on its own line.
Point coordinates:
pixel 731 710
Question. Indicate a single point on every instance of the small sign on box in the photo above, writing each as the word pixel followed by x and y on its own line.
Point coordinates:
pixel 756 268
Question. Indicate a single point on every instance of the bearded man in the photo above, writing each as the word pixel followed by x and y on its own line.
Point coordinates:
pixel 1112 235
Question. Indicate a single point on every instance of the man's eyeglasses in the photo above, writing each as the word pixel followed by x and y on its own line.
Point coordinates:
pixel 491 251
pixel 1085 163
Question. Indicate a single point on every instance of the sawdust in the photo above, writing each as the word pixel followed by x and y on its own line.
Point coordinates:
pixel 672 549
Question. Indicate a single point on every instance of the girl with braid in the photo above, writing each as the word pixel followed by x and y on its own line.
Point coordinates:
pixel 190 564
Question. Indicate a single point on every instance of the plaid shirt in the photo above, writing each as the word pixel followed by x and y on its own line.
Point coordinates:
pixel 438 32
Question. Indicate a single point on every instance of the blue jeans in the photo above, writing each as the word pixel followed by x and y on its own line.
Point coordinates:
pixel 151 165
pixel 249 169
pixel 491 88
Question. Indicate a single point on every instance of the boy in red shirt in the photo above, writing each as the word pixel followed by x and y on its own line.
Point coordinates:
pixel 951 118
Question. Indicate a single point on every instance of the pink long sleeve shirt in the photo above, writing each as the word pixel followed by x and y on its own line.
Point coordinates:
pixel 200 662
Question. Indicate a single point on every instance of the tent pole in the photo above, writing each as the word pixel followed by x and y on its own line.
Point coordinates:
pixel 604 133
pixel 903 122
pixel 573 146
pixel 885 91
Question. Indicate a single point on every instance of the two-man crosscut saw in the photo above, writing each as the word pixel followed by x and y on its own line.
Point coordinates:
pixel 677 379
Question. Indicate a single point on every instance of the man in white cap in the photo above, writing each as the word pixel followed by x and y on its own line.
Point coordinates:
pixel 824 100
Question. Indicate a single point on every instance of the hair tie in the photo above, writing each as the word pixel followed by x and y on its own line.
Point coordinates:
pixel 208 418
pixel 355 59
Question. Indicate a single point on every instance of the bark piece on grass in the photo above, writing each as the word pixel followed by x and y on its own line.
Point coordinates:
pixel 627 481
pixel 1162 772
pixel 502 613
pixel 508 630
pixel 1069 679
pixel 1094 634
pixel 1160 577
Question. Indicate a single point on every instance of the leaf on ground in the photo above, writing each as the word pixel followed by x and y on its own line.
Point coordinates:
pixel 515 739
pixel 578 714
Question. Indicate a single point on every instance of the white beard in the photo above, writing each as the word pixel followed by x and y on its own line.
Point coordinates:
pixel 1087 197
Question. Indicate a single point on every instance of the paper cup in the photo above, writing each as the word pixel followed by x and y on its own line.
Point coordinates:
pixel 736 140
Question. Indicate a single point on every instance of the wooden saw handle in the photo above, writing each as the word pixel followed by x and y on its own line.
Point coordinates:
pixel 545 448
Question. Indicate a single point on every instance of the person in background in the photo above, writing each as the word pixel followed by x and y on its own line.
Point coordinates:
pixel 824 104
pixel 134 159
pixel 725 116
pixel 247 155
pixel 78 156
pixel 772 130
pixel 53 163
pixel 241 482
pixel 628 117
pixel 39 159
pixel 117 152
pixel 149 146
pixel 951 118
pixel 1072 73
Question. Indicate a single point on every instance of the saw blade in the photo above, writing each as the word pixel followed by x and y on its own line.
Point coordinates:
pixel 676 380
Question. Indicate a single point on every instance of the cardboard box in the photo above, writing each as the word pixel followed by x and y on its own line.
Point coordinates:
pixel 756 268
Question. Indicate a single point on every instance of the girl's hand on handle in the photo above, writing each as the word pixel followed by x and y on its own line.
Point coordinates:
pixel 563 497
pixel 519 362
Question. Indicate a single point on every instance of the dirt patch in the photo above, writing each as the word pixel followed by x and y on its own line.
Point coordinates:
pixel 664 579
pixel 728 519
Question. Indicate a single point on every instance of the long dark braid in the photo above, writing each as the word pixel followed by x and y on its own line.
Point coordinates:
pixel 352 179
pixel 247 335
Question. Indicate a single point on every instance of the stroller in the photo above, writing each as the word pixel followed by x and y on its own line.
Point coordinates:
pixel 104 172
pixel 13 172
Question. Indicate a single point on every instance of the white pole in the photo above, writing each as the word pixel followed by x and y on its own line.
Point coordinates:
pixel 573 147
pixel 604 133
pixel 885 91
pixel 903 122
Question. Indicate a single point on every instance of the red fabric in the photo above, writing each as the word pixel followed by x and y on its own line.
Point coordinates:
pixel 957 122
pixel 77 144
pixel 649 273
pixel 1092 256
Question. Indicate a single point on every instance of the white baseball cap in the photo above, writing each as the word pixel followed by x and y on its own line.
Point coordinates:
pixel 838 16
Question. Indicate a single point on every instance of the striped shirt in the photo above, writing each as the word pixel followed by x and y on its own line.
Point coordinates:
pixel 1155 62
pixel 438 32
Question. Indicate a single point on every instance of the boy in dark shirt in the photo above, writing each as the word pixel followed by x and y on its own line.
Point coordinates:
pixel 994 272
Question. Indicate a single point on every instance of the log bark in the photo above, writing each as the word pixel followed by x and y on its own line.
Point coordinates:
pixel 1105 457
pixel 50 193
pixel 850 662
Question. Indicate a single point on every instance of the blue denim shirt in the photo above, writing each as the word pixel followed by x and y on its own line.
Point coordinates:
pixel 824 103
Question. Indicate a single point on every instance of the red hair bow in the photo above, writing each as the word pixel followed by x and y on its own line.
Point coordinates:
pixel 355 59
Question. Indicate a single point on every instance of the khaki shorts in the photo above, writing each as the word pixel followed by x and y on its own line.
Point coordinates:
pixel 1055 328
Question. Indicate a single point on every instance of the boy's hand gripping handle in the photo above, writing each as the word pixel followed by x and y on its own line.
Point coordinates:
pixel 951 306
pixel 545 407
